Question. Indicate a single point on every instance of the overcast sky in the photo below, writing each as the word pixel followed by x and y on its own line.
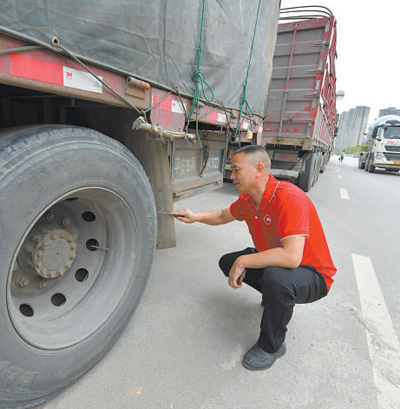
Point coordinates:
pixel 368 63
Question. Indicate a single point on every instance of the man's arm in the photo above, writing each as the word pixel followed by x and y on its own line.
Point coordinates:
pixel 211 217
pixel 289 256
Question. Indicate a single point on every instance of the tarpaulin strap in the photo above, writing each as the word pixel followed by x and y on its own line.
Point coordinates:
pixel 198 78
pixel 243 99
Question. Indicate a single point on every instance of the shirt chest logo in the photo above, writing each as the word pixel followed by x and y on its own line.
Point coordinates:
pixel 267 219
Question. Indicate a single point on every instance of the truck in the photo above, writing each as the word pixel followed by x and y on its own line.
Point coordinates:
pixel 110 111
pixel 383 145
pixel 299 127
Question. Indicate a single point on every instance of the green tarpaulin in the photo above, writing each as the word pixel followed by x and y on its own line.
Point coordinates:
pixel 157 40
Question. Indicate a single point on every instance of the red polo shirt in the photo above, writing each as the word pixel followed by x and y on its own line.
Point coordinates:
pixel 286 211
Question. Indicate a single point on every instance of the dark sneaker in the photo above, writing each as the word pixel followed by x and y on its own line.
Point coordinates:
pixel 256 359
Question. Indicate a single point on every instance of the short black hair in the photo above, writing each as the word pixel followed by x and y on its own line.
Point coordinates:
pixel 250 149
pixel 260 154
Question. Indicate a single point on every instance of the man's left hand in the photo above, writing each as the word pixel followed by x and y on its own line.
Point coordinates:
pixel 234 275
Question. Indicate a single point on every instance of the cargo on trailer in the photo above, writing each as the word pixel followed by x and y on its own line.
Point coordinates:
pixel 110 111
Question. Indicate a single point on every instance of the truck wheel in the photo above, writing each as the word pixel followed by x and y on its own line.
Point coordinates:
pixel 324 161
pixel 366 165
pixel 77 239
pixel 317 167
pixel 306 177
pixel 371 167
pixel 361 163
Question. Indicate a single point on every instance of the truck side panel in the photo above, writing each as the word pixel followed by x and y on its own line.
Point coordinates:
pixel 43 86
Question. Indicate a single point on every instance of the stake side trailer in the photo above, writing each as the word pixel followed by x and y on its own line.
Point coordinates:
pixel 109 110
pixel 299 127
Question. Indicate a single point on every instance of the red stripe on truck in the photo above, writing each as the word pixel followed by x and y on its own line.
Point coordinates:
pixel 36 70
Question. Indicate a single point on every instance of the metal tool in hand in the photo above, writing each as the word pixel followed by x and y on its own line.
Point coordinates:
pixel 170 214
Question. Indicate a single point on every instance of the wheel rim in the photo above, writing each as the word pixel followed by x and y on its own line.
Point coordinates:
pixel 72 268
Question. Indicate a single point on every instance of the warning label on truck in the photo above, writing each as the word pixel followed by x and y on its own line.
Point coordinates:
pixel 50 73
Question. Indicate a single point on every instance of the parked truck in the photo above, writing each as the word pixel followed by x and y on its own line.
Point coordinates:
pixel 299 127
pixel 109 111
pixel 383 145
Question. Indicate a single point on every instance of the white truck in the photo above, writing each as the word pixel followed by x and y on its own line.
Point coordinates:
pixel 383 147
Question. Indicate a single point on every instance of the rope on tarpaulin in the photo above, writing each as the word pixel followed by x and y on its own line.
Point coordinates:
pixel 20 49
pixel 243 100
pixel 198 78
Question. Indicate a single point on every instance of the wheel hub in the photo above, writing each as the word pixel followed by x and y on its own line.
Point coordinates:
pixel 48 252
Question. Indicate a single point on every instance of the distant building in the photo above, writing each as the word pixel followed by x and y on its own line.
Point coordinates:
pixel 389 111
pixel 351 127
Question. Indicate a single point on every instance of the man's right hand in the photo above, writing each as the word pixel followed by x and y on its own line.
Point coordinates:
pixel 185 215
pixel 211 217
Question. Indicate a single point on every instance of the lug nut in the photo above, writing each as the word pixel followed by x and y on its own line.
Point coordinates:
pixel 22 281
pixel 41 283
pixel 50 216
pixel 66 222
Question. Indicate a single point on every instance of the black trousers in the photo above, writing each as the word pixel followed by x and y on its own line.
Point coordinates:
pixel 281 289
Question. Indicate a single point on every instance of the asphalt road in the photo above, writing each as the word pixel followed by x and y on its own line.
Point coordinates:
pixel 184 346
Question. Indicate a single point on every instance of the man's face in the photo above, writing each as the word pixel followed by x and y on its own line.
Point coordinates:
pixel 243 173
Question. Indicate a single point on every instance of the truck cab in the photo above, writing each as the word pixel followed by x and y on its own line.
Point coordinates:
pixel 383 145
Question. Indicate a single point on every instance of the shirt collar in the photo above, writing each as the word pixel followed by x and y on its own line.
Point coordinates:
pixel 269 192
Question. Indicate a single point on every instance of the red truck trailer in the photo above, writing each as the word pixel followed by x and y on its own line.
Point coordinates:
pixel 109 111
pixel 301 115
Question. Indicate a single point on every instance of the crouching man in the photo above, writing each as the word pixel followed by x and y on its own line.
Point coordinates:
pixel 291 261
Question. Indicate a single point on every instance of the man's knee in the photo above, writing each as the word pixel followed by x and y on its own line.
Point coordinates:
pixel 275 281
pixel 225 264
pixel 226 261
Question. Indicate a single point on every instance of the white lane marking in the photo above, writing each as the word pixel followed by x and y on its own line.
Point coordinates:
pixel 343 194
pixel 383 344
pixel 339 176
pixel 337 170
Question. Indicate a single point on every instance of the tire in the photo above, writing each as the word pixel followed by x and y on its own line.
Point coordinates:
pixel 324 161
pixel 77 239
pixel 371 167
pixel 366 164
pixel 306 177
pixel 317 167
pixel 361 164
